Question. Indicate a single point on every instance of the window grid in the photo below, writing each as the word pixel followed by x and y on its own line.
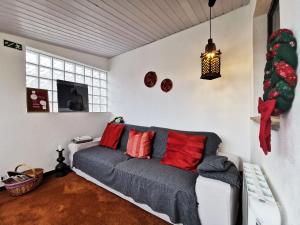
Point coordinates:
pixel 97 84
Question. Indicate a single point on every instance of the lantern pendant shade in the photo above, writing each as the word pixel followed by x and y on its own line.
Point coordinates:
pixel 211 58
pixel 211 62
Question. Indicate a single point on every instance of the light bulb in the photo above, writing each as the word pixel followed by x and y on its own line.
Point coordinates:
pixel 210 55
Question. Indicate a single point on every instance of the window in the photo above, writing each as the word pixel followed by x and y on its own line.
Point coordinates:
pixel 42 71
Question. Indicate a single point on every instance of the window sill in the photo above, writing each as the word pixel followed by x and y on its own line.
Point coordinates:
pixel 275 121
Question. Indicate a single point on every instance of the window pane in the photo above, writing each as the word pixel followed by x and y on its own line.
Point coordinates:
pixel 31 70
pixel 58 64
pixel 50 96
pixel 80 79
pixel 90 99
pixel 69 77
pixel 32 82
pixel 88 80
pixel 79 69
pixel 45 61
pixel 88 72
pixel 103 83
pixel 54 85
pixel 54 96
pixel 103 100
pixel 55 107
pixel 96 100
pixel 58 75
pixel 103 92
pixel 90 90
pixel 103 76
pixel 90 108
pixel 46 84
pixel 96 74
pixel 45 72
pixel 96 91
pixel 103 108
pixel 96 108
pixel 32 57
pixel 96 82
pixel 70 67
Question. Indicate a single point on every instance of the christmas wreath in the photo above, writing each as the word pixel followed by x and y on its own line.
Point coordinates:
pixel 280 80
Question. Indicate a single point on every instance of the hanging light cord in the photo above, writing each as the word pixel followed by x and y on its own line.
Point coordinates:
pixel 209 22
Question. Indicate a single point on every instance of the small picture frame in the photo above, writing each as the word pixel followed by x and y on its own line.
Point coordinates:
pixel 274 17
pixel 37 100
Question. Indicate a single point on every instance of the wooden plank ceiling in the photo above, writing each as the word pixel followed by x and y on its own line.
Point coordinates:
pixel 105 27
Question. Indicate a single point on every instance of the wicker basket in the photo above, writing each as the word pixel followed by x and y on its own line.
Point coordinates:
pixel 20 188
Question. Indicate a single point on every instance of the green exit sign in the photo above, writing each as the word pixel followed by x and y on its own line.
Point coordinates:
pixel 14 45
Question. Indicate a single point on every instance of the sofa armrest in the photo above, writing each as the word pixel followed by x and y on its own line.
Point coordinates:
pixel 218 202
pixel 73 148
pixel 233 158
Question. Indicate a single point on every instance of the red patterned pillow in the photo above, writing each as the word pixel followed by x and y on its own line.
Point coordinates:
pixel 184 150
pixel 139 143
pixel 111 135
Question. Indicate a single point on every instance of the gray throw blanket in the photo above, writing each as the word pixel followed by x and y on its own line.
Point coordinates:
pixel 165 189
pixel 219 168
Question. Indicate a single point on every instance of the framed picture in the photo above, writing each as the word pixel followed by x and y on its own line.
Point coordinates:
pixel 37 100
pixel 273 17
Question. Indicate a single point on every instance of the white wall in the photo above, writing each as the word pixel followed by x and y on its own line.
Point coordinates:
pixel 33 137
pixel 222 105
pixel 282 165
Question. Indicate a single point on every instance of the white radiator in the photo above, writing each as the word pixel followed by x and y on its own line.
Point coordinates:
pixel 259 205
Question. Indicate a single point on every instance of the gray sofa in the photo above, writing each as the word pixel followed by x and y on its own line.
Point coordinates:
pixel 164 189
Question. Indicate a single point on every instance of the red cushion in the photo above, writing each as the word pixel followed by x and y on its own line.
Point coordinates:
pixel 139 143
pixel 111 135
pixel 184 150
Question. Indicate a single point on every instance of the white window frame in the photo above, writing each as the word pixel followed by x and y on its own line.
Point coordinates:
pixel 102 106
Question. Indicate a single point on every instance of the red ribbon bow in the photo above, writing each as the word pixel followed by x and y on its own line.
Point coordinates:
pixel 265 109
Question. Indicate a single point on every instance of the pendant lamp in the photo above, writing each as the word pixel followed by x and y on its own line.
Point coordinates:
pixel 211 58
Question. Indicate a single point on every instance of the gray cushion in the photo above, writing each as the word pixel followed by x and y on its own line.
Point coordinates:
pixel 218 168
pixel 153 170
pixel 214 163
pixel 124 138
pixel 160 141
pixel 98 161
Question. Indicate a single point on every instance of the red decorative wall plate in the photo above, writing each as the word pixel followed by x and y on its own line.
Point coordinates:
pixel 166 85
pixel 150 79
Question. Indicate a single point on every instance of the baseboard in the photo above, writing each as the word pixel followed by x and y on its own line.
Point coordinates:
pixel 46 174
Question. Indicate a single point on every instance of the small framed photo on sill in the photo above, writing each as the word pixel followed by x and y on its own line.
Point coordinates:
pixel 37 100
